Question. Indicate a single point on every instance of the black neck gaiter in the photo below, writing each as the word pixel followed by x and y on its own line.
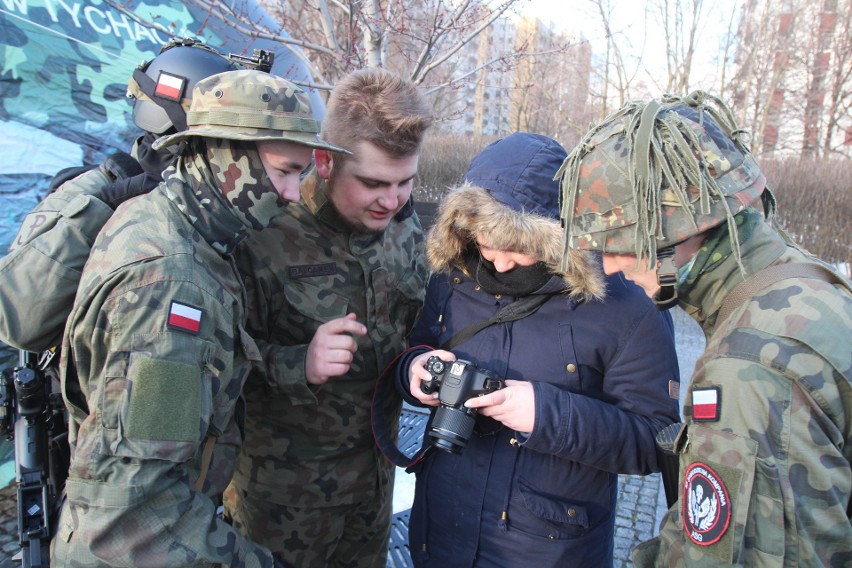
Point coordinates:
pixel 520 281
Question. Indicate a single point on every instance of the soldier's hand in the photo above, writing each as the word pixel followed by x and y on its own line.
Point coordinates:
pixel 514 405
pixel 417 373
pixel 331 350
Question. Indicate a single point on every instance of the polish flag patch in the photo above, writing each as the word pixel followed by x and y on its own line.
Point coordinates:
pixel 184 317
pixel 706 404
pixel 169 86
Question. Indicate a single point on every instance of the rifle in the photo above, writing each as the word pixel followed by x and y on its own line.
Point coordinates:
pixel 33 416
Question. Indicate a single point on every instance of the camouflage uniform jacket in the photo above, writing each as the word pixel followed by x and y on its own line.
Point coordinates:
pixel 39 276
pixel 313 446
pixel 161 356
pixel 765 458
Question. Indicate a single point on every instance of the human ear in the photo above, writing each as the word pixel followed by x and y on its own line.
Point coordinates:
pixel 324 162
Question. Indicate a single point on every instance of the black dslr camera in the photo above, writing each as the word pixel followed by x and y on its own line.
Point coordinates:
pixel 456 382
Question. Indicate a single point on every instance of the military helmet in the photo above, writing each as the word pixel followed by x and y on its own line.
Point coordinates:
pixel 250 105
pixel 654 174
pixel 162 87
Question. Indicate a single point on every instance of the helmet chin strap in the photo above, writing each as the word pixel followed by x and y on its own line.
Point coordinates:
pixel 666 298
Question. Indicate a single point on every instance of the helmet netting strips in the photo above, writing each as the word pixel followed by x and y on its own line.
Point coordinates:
pixel 664 153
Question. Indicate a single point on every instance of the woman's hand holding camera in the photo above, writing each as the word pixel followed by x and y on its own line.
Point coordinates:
pixel 417 373
pixel 513 405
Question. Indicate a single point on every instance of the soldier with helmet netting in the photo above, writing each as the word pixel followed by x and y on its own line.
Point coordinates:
pixel 155 352
pixel 669 192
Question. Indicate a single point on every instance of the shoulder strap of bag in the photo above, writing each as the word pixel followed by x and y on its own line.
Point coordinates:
pixel 749 287
pixel 518 309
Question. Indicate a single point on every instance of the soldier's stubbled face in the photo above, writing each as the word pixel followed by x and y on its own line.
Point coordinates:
pixel 368 188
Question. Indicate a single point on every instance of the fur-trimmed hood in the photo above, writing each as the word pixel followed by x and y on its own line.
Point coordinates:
pixel 511 201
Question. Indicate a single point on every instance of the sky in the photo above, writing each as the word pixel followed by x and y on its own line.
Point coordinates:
pixel 628 22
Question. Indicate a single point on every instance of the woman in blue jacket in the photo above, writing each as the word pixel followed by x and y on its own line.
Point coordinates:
pixel 587 377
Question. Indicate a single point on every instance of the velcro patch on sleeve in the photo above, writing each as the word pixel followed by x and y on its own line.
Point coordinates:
pixel 165 401
pixel 706 505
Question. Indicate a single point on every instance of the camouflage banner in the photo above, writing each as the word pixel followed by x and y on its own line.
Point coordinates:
pixel 64 68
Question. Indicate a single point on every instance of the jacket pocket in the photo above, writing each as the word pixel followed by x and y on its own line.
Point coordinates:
pixel 167 401
pixel 546 516
pixel 570 362
pixel 406 300
pixel 727 496
pixel 309 307
pixel 103 523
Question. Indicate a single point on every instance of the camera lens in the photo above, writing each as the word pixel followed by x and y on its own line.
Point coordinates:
pixel 451 429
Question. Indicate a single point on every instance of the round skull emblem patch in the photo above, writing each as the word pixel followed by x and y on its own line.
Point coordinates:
pixel 706 506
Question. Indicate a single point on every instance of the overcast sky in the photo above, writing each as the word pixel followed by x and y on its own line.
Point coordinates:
pixel 629 23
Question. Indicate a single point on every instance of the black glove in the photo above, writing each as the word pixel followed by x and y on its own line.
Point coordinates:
pixel 119 191
pixel 279 563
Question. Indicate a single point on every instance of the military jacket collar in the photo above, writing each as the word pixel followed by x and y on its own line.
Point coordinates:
pixel 315 195
pixel 703 300
pixel 212 218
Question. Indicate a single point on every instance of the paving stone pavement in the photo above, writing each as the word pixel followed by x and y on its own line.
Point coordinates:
pixel 8 526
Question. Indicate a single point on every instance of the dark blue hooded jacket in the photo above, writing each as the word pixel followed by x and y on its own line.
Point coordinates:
pixel 600 369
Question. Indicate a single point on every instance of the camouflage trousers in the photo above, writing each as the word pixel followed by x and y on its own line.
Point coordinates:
pixel 346 536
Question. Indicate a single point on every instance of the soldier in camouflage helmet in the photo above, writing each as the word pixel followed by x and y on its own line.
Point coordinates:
pixel 339 280
pixel 670 194
pixel 53 242
pixel 157 336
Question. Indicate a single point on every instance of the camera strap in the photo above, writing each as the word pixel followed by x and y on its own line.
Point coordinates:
pixel 385 414
pixel 518 309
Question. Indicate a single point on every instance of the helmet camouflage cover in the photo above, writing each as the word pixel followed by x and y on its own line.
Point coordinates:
pixel 654 174
pixel 250 105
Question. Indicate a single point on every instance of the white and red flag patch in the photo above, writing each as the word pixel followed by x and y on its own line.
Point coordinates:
pixel 184 317
pixel 169 86
pixel 706 404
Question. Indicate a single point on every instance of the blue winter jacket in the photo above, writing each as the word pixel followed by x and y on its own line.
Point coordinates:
pixel 601 373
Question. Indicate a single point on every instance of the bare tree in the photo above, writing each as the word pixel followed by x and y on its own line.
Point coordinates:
pixel 793 83
pixel 552 97
pixel 614 73
pixel 457 50
pixel 679 22
pixel 762 59
pixel 839 86
pixel 416 39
